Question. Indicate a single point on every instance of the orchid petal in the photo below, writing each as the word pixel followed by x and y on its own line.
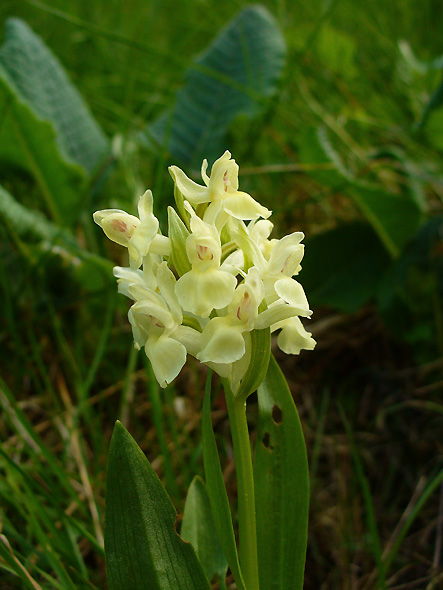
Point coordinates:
pixel 195 193
pixel 146 205
pixel 127 277
pixel 190 338
pixel 166 283
pixel 222 341
pixel 275 313
pixel 167 357
pixel 117 225
pixel 293 293
pixel 293 338
pixel 201 292
pixel 242 206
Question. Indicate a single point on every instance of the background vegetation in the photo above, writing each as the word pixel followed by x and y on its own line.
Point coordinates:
pixel 333 112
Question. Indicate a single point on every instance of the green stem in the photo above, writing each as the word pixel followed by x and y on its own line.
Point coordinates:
pixel 245 488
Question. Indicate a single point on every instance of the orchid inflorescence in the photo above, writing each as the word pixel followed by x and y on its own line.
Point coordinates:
pixel 214 281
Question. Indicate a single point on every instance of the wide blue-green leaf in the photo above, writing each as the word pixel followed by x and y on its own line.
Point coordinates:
pixel 37 78
pixel 217 491
pixel 394 217
pixel 281 486
pixel 46 127
pixel 236 75
pixel 142 547
pixel 198 528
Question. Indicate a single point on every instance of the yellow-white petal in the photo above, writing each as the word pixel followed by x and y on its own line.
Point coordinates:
pixel 243 206
pixel 201 292
pixel 222 341
pixel 117 225
pixel 167 357
pixel 293 338
pixel 195 193
pixel 292 292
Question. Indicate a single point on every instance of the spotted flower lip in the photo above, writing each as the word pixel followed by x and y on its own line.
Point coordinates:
pixel 206 286
pixel 220 188
pixel 156 320
pixel 215 283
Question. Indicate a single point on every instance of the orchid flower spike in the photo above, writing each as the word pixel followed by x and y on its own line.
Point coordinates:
pixel 219 279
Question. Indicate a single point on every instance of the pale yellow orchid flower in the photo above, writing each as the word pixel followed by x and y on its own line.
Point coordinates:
pixel 138 235
pixel 220 191
pixel 206 286
pixel 156 320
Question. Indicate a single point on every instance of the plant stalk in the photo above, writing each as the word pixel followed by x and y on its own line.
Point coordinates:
pixel 245 488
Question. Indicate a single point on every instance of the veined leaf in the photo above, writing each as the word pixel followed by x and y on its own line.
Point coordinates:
pixel 198 528
pixel 235 75
pixel 36 78
pixel 46 128
pixel 281 486
pixel 142 547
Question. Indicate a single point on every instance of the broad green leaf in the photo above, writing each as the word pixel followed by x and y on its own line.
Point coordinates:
pixel 46 128
pixel 281 486
pixel 91 270
pixel 395 218
pixel 344 266
pixel 37 78
pixel 142 547
pixel 27 142
pixel 29 223
pixel 315 147
pixel 236 75
pixel 198 528
pixel 217 491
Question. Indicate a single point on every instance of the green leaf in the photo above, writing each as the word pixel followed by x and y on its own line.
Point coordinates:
pixel 46 128
pixel 344 266
pixel 281 486
pixel 236 75
pixel 217 491
pixel 198 528
pixel 395 218
pixel 90 270
pixel 142 547
pixel 37 78
pixel 315 147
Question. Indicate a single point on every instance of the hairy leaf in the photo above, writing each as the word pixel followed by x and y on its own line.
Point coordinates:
pixel 235 75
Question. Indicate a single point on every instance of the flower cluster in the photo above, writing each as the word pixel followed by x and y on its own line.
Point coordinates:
pixel 214 280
